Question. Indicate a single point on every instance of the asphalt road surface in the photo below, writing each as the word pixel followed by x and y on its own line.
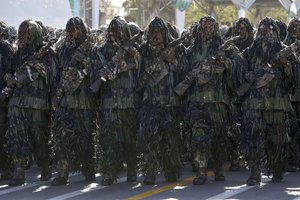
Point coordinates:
pixel 233 188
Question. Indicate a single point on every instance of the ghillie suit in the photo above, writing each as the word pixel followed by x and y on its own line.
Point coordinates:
pixel 266 102
pixel 29 106
pixel 282 29
pixel 74 123
pixel 208 87
pixel 118 103
pixel 6 56
pixel 159 137
pixel 292 58
pixel 242 38
pixel 243 34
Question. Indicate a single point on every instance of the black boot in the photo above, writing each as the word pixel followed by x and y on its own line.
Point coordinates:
pixel 131 176
pixel 46 173
pixel 255 177
pixel 201 177
pixel 63 173
pixel 18 178
pixel 292 168
pixel 219 174
pixel 59 181
pixel 149 179
pixel 277 175
pixel 107 180
pixel 90 177
pixel 200 180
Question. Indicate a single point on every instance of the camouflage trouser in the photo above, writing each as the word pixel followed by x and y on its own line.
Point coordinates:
pixel 294 134
pixel 235 134
pixel 208 126
pixel 265 138
pixel 159 140
pixel 29 132
pixel 74 133
pixel 117 141
pixel 4 155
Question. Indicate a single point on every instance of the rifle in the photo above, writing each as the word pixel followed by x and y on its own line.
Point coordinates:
pixel 71 77
pixel 107 73
pixel 103 74
pixel 41 68
pixel 257 78
pixel 202 72
pixel 159 67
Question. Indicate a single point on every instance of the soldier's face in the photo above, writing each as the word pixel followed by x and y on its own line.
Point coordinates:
pixel 207 28
pixel 156 41
pixel 114 37
pixel 295 30
pixel 75 34
pixel 242 30
pixel 71 38
pixel 24 38
pixel 266 31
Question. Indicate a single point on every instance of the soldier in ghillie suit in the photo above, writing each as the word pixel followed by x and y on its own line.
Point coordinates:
pixel 74 123
pixel 159 137
pixel 6 55
pixel 119 102
pixel 292 57
pixel 266 104
pixel 242 37
pixel 208 91
pixel 29 106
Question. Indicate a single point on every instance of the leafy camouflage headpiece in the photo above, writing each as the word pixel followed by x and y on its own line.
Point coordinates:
pixel 293 31
pixel 134 28
pixel 3 28
pixel 119 29
pixel 30 36
pixel 242 24
pixel 266 43
pixel 268 30
pixel 75 25
pixel 206 28
pixel 159 24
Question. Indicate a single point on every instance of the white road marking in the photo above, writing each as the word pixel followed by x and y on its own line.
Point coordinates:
pixel 89 188
pixel 232 191
pixel 28 185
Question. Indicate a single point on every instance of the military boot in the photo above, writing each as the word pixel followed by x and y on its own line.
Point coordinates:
pixel 131 175
pixel 149 179
pixel 201 177
pixel 88 171
pixel 219 175
pixel 277 174
pixel 46 173
pixel 63 173
pixel 254 178
pixel 292 168
pixel 90 177
pixel 18 177
pixel 107 179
